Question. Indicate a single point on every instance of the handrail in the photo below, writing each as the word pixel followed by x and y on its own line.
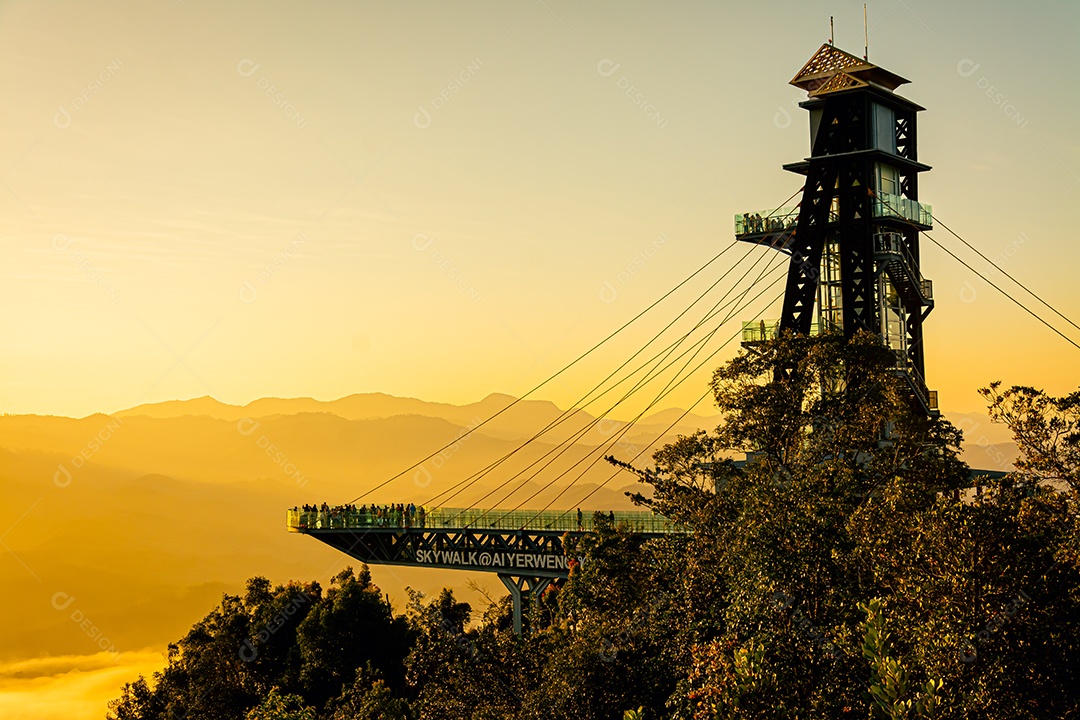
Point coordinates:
pixel 892 243
pixel 915 379
pixel 774 220
pixel 440 518
pixel 761 330
pixel 889 205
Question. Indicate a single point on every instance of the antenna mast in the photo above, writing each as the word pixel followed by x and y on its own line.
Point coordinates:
pixel 865 35
pixel 832 34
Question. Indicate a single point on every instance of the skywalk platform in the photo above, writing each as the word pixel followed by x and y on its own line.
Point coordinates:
pixel 525 548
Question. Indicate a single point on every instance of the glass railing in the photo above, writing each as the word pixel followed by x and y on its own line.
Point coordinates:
pixel 762 330
pixel 766 221
pixel 385 518
pixel 889 205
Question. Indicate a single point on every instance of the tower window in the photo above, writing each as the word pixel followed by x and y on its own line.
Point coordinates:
pixel 888 179
pixel 884 128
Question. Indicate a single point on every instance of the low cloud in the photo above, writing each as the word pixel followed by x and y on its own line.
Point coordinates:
pixel 70 687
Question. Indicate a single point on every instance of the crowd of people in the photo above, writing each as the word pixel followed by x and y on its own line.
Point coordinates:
pixel 341 516
pixel 400 515
pixel 755 223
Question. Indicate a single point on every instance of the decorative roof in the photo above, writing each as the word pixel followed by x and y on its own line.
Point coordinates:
pixel 829 62
pixel 839 81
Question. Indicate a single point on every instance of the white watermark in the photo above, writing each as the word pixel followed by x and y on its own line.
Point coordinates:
pixel 607 68
pixel 247 427
pixel 249 650
pixel 63 118
pixel 247 68
pixel 422 117
pixel 62 601
pixel 967 425
pixel 782 602
pixel 969 653
pixel 967 68
pixel 63 244
pixel 608 292
pixel 63 477
pixel 968 293
pixel 423 243
pixel 248 292
pixel 782 118
pixel 422 476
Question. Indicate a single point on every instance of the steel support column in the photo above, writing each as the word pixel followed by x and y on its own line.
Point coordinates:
pixel 523 589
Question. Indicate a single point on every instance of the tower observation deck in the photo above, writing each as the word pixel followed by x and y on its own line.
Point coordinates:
pixel 854 236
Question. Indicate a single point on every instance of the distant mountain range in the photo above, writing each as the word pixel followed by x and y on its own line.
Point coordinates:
pixel 147 515
pixel 507 417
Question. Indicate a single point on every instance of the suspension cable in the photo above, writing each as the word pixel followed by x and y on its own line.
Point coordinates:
pixel 667 390
pixel 568 444
pixel 462 485
pixel 1000 270
pixel 560 448
pixel 581 357
pixel 979 274
pixel 991 284
pixel 581 403
pixel 517 400
pixel 685 413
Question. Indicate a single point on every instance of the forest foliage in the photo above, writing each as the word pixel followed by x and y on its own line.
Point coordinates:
pixel 846 569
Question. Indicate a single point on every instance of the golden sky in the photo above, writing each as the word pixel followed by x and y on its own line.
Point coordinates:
pixel 442 200
pixel 447 200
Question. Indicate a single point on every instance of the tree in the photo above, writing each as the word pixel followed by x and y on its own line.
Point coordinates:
pixel 277 645
pixel 836 567
pixel 136 702
pixel 350 628
pixel 368 698
pixel 889 689
pixel 849 492
pixel 613 641
pixel 276 706
pixel 458 673
pixel 1046 429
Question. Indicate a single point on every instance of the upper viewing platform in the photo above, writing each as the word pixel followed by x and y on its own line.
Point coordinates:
pixel 889 205
pixel 766 221
pixel 391 519
pixel 774 227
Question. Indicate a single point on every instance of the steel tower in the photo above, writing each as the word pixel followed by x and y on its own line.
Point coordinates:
pixel 854 237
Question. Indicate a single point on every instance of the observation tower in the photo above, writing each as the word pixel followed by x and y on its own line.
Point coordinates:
pixel 854 236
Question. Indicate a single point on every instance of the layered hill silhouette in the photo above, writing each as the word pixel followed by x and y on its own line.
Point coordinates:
pixel 142 518
pixel 133 524
pixel 506 417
